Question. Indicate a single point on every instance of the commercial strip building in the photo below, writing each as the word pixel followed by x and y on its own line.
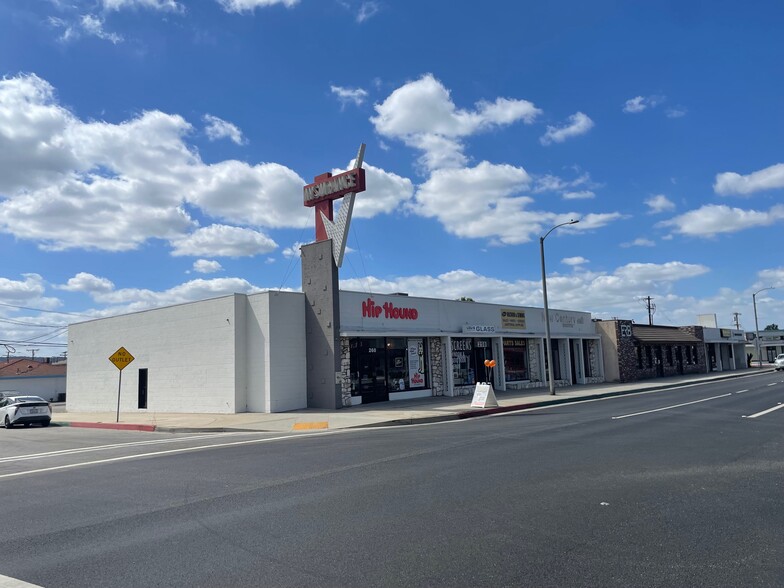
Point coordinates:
pixel 243 353
pixel 636 352
pixel 771 344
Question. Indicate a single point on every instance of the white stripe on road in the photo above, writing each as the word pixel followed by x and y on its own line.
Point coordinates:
pixel 669 407
pixel 170 452
pixel 8 582
pixel 741 391
pixel 119 446
pixel 773 384
pixel 754 416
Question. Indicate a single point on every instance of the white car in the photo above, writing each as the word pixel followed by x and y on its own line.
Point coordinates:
pixel 24 410
pixel 778 363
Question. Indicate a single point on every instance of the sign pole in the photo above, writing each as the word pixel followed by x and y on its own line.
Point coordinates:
pixel 119 387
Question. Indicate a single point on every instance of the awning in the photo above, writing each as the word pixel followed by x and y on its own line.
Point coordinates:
pixel 648 334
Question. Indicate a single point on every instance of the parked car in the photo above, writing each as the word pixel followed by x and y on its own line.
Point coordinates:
pixel 778 363
pixel 25 410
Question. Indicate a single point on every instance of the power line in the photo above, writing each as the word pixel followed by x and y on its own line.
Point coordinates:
pixel 43 310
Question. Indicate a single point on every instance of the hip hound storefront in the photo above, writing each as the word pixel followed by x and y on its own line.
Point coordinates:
pixel 399 347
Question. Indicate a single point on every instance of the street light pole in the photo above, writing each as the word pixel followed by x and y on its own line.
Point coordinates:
pixel 756 324
pixel 548 345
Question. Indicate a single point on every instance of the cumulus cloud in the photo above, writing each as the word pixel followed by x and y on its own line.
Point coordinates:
pixel 164 5
pixel 86 282
pixel 659 203
pixel 223 241
pixel 32 288
pixel 205 266
pixel 346 96
pixel 731 183
pixel 240 6
pixel 711 220
pixel 72 184
pixel 422 114
pixel 676 112
pixel 576 125
pixel 386 191
pixel 486 201
pixel 639 242
pixel 367 10
pixel 578 195
pixel 217 128
pixel 574 260
pixel 641 103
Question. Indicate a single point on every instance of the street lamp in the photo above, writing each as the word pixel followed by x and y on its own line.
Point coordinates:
pixel 756 324
pixel 547 349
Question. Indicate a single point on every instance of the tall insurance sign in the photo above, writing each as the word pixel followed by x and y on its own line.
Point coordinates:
pixel 320 263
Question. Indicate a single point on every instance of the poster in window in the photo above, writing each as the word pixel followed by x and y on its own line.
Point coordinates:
pixel 416 363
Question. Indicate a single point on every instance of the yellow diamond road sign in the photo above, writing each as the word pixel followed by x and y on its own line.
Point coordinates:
pixel 121 358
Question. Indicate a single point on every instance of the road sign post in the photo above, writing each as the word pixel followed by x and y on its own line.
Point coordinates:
pixel 120 358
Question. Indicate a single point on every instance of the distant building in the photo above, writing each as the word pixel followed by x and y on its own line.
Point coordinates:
pixel 637 352
pixel 771 343
pixel 33 377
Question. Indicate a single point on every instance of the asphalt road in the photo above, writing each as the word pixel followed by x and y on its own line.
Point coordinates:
pixel 672 488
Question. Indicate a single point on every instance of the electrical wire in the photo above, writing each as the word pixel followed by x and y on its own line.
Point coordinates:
pixel 42 310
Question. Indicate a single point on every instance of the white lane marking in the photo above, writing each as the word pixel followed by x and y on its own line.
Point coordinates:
pixel 741 391
pixel 9 582
pixel 169 452
pixel 673 406
pixel 773 384
pixel 754 416
pixel 76 450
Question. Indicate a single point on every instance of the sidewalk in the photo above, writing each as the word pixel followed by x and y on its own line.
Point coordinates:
pixel 403 412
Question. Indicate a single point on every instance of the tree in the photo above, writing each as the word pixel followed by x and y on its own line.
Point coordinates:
pixel 772 327
pixel 469 299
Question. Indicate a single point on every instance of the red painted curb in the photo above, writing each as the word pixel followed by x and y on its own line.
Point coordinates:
pixel 120 426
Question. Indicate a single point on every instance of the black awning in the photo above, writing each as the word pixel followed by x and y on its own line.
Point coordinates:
pixel 648 334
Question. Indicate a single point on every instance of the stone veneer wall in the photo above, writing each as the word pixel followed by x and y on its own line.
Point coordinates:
pixel 595 360
pixel 345 370
pixel 437 379
pixel 627 356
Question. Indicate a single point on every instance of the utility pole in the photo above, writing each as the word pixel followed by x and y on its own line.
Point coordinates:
pixel 33 352
pixel 648 301
pixel 736 317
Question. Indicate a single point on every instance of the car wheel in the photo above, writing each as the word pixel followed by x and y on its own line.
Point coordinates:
pixel 8 424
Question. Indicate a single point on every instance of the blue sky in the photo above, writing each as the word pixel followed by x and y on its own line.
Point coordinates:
pixel 153 152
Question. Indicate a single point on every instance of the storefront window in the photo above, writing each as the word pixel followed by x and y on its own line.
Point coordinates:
pixel 516 360
pixel 468 361
pixel 387 364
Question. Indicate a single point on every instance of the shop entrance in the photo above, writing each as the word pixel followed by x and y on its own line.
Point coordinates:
pixel 371 369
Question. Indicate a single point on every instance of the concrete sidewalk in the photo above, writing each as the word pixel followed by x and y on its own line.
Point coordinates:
pixel 422 410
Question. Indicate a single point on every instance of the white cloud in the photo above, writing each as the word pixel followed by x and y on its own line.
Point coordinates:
pixel 639 242
pixel 223 241
pixel 676 112
pixel 367 10
pixel 579 195
pixel 164 5
pixel 86 282
pixel 217 128
pixel 486 202
pixel 659 203
pixel 354 96
pixel 87 25
pixel 136 299
pixel 95 185
pixel 711 220
pixel 386 191
pixel 31 288
pixel 423 115
pixel 293 251
pixel 240 6
pixel 769 178
pixel 640 103
pixel 578 124
pixel 574 260
pixel 205 266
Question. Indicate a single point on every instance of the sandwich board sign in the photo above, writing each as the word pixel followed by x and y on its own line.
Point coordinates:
pixel 484 396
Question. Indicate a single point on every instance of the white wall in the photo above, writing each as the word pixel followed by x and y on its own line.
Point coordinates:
pixel 188 349
pixel 47 387
pixel 286 356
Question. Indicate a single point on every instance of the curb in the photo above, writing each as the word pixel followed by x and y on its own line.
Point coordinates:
pixel 467 414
